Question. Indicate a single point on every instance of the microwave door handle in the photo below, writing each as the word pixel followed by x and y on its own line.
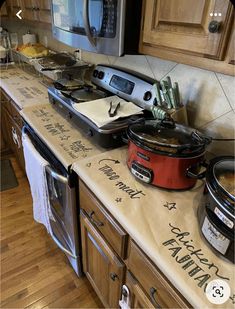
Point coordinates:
pixel 56 176
pixel 62 247
pixel 86 22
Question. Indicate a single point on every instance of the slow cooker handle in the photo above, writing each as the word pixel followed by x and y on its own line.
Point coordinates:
pixel 190 173
pixel 124 138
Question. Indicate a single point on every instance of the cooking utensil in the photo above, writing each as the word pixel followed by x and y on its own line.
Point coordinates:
pixel 68 84
pixel 172 98
pixel 216 212
pixel 177 94
pixel 160 153
pixel 114 112
pixel 87 93
pixel 165 94
pixel 57 61
pixel 156 89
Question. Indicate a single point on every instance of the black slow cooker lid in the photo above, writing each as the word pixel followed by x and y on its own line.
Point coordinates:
pixel 169 135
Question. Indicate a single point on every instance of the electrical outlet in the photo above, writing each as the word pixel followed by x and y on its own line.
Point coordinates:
pixel 78 54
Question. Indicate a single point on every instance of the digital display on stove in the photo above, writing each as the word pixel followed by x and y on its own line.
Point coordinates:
pixel 122 84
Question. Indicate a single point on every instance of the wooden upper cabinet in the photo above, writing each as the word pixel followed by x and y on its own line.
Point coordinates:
pixel 183 26
pixel 37 10
pixel 230 57
pixel 14 6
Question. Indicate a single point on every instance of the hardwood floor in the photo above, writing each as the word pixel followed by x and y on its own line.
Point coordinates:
pixel 34 272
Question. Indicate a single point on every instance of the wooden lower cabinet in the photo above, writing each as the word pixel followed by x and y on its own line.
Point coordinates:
pixel 102 266
pixel 11 125
pixel 110 274
pixel 137 297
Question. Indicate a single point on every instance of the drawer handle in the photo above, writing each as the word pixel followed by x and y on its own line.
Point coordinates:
pixel 153 291
pixel 113 276
pixel 96 222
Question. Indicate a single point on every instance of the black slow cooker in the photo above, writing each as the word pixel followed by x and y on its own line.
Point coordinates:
pixel 216 212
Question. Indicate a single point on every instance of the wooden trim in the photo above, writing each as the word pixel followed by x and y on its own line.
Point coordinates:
pixel 203 63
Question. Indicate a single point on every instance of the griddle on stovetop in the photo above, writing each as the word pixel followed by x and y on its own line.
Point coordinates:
pixel 109 136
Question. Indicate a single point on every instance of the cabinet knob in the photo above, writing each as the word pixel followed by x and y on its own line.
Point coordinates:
pixel 153 291
pixel 214 26
pixel 113 276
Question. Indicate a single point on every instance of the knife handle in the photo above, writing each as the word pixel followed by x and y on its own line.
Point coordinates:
pixel 156 89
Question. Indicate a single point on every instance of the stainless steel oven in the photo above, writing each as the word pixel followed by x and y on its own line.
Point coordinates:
pixel 102 26
pixel 62 192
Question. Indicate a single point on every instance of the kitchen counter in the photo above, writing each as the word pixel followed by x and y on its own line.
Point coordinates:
pixel 24 88
pixel 163 223
pixel 62 137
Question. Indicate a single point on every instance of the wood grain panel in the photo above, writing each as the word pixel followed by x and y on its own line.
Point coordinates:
pixel 149 277
pixel 182 26
pixel 103 220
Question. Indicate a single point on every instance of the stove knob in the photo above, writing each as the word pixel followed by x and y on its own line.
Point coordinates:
pixel 147 96
pixel 101 75
pixel 95 73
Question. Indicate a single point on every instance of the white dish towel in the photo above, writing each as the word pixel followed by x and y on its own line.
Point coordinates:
pixel 35 169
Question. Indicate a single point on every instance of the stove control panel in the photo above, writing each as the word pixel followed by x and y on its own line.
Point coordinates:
pixel 141 172
pixel 127 84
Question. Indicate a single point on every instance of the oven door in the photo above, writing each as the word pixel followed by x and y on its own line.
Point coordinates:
pixel 62 212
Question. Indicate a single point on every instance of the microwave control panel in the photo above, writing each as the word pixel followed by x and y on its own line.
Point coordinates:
pixel 109 22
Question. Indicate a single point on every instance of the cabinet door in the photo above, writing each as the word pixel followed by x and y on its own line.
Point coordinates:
pixel 15 6
pixel 3 10
pixel 231 50
pixel 183 26
pixel 137 297
pixel 30 10
pixel 102 267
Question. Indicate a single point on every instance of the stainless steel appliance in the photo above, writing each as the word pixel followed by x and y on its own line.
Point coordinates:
pixel 103 26
pixel 109 80
pixel 62 186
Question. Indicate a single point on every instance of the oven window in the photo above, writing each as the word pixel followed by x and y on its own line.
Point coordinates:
pixel 57 196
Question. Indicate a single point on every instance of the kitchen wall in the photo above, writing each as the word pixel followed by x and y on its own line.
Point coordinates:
pixel 209 96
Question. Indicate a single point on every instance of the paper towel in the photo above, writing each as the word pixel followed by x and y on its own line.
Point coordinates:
pixel 29 38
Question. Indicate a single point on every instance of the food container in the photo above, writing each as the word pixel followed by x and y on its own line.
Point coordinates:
pixel 216 212
pixel 165 154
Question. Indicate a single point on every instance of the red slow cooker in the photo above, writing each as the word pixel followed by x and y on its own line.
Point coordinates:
pixel 165 154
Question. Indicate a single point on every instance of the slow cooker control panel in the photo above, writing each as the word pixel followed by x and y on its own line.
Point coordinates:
pixel 141 172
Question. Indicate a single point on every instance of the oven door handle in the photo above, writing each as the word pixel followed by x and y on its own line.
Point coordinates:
pixel 86 22
pixel 62 247
pixel 56 176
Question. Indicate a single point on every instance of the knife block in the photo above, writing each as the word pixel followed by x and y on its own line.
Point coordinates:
pixel 179 115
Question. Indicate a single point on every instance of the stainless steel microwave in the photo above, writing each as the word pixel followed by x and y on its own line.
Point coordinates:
pixel 108 27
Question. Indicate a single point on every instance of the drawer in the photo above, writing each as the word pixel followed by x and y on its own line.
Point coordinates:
pixel 157 287
pixel 103 221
